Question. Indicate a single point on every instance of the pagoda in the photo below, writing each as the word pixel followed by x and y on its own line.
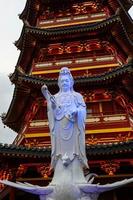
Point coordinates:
pixel 94 40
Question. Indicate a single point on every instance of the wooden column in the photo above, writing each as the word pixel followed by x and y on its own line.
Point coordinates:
pixel 114 196
pixel 12 194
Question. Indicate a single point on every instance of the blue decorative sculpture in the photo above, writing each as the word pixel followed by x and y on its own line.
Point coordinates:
pixel 66 116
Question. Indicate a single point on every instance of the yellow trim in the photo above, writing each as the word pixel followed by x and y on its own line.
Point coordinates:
pixel 78 68
pixel 111 130
pixel 32 135
pixel 69 24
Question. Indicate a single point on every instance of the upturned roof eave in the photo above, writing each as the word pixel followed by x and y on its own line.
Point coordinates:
pixel 94 80
pixel 125 4
pixel 49 34
pixel 26 9
pixel 29 10
pixel 13 117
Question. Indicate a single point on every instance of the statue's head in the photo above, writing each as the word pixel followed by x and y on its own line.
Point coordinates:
pixel 65 80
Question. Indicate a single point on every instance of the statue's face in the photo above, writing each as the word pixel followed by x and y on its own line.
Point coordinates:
pixel 65 83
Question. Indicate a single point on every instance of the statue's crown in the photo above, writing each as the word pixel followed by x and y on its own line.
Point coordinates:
pixel 65 71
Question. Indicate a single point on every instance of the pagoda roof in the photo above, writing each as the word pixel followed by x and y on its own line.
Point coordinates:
pixel 121 24
pixel 29 85
pixel 16 155
pixel 98 151
pixel 12 150
pixel 105 78
pixel 56 33
pixel 30 35
pixel 32 7
pixel 50 32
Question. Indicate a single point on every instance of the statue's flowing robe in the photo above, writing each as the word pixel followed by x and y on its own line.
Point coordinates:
pixel 67 132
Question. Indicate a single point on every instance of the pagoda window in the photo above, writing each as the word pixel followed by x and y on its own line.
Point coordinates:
pixel 41 55
pixel 110 108
pixel 118 108
pixel 92 47
pixel 74 47
pixel 41 114
pixel 55 49
pixel 88 54
pixel 31 172
pixel 107 107
pixel 89 112
pixel 93 109
pixel 85 12
pixel 103 108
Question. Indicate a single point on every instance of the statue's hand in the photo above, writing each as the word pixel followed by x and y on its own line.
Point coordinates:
pixel 72 113
pixel 49 97
pixel 44 88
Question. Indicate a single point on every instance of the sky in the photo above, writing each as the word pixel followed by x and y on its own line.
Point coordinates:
pixel 10 30
pixel 11 27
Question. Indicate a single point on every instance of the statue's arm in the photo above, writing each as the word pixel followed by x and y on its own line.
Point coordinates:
pixel 50 107
pixel 45 92
pixel 48 96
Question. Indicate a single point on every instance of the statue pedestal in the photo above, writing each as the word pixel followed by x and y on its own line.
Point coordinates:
pixel 73 173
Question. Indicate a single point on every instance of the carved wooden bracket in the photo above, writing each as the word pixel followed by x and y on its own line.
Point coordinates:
pixel 110 166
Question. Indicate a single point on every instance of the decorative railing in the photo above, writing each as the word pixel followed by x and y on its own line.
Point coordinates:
pixel 72 20
pixel 102 118
pixel 97 123
pixel 86 62
pixel 99 118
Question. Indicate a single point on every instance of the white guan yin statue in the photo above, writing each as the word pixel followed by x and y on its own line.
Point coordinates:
pixel 66 116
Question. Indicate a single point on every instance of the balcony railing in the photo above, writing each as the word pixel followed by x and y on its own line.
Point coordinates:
pixel 71 20
pixel 99 118
pixel 86 63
